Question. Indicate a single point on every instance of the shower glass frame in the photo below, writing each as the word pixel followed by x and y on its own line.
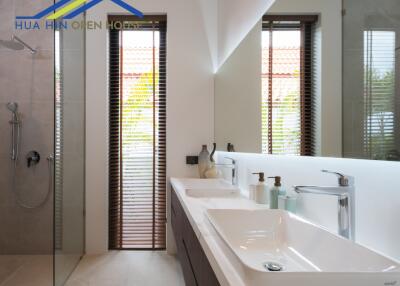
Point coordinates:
pixel 68 246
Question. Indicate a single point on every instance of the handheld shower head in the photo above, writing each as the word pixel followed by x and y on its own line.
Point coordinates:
pixel 15 130
pixel 12 106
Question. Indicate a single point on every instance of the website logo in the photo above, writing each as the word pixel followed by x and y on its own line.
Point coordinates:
pixel 68 9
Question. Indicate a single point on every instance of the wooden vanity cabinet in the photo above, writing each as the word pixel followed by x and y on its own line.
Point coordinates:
pixel 196 268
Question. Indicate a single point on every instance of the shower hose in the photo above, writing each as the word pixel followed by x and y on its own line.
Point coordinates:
pixel 16 137
pixel 50 160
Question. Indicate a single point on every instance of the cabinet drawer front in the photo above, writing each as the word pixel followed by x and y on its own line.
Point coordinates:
pixel 187 269
pixel 203 271
pixel 195 265
pixel 176 216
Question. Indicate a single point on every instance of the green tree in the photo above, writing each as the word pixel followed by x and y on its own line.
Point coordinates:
pixel 138 111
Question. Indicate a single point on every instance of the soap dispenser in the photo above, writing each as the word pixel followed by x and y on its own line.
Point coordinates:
pixel 260 191
pixel 275 192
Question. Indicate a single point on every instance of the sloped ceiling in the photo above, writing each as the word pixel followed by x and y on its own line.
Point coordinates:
pixel 227 22
pixel 209 9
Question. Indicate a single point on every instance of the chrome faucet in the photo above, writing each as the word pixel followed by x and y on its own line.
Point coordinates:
pixel 345 193
pixel 234 167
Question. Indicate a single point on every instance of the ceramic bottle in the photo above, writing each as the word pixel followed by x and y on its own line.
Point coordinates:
pixel 204 161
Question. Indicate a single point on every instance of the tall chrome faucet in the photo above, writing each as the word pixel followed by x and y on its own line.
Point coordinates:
pixel 232 166
pixel 345 192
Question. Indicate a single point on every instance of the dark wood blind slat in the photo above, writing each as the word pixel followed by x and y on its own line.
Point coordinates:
pixel 307 98
pixel 115 189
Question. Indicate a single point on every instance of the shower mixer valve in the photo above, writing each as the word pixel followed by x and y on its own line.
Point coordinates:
pixel 32 158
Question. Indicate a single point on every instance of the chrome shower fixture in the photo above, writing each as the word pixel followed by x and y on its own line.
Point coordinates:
pixel 15 130
pixel 13 107
pixel 17 44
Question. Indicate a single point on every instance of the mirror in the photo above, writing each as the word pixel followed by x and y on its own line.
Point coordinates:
pixel 315 78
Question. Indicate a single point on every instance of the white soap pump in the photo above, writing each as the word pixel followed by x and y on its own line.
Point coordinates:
pixel 259 192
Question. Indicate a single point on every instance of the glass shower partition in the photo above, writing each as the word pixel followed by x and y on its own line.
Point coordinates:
pixel 69 198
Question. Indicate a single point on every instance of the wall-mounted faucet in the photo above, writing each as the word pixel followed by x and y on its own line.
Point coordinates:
pixel 32 158
pixel 345 192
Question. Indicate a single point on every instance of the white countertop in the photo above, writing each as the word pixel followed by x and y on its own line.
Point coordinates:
pixel 195 209
pixel 198 197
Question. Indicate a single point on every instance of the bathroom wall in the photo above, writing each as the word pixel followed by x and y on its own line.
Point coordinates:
pixel 238 96
pixel 27 80
pixel 377 192
pixel 190 88
pixel 235 19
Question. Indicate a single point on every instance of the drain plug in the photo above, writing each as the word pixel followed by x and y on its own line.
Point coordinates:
pixel 273 266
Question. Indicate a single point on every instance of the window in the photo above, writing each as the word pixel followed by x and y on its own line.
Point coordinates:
pixel 287 101
pixel 380 128
pixel 137 147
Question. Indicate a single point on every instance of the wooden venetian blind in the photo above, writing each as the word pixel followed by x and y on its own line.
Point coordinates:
pixel 137 150
pixel 287 85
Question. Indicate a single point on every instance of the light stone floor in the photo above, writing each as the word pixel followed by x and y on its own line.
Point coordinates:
pixel 26 270
pixel 128 268
pixel 117 268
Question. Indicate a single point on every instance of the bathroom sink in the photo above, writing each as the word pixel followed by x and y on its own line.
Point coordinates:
pixel 213 193
pixel 209 188
pixel 274 247
pixel 205 183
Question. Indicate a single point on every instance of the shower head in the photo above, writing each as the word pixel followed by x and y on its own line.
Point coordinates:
pixel 12 106
pixel 16 44
pixel 12 45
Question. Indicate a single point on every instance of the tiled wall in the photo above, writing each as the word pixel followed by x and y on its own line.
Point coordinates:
pixel 27 80
pixel 377 192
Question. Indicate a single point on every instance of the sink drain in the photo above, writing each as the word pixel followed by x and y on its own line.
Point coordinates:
pixel 273 266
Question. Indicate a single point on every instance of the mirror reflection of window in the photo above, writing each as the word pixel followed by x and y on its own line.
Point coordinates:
pixel 287 103
pixel 380 95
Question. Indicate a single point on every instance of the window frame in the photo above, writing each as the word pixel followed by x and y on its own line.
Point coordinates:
pixel 159 181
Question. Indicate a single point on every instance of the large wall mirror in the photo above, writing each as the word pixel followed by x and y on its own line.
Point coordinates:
pixel 315 78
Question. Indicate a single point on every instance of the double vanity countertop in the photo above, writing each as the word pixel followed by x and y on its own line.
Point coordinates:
pixel 236 261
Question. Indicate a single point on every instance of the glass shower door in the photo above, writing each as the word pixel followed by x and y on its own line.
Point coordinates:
pixel 69 218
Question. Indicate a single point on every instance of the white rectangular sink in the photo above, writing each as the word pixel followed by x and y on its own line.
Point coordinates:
pixel 212 193
pixel 205 183
pixel 307 254
pixel 209 188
